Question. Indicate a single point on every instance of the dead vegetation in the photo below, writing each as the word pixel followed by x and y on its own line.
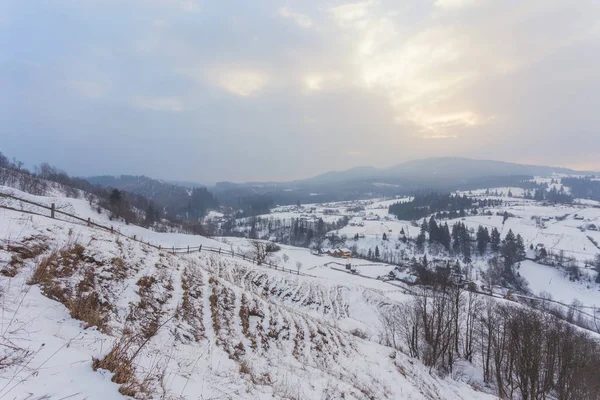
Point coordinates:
pixel 148 311
pixel 87 306
pixel 222 306
pixel 83 302
pixel 257 378
pixel 120 361
pixel 29 248
pixel 359 333
pixel 117 268
pixel 189 310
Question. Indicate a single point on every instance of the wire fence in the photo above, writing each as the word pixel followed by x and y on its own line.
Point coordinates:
pixel 55 213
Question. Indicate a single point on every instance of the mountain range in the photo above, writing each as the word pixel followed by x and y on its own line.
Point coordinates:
pixel 437 168
pixel 443 173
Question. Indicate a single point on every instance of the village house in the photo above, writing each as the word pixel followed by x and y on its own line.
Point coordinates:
pixel 341 253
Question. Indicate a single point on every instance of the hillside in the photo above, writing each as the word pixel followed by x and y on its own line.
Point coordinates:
pixel 175 200
pixel 202 325
pixel 157 190
pixel 94 305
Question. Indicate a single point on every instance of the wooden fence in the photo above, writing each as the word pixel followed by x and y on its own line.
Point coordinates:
pixel 54 213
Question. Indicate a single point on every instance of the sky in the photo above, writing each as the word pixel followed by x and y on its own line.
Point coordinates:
pixel 209 91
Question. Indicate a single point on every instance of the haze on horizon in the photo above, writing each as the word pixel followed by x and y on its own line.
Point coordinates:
pixel 257 91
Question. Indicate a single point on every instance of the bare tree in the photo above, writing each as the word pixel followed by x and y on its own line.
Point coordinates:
pixel 259 251
pixel 298 266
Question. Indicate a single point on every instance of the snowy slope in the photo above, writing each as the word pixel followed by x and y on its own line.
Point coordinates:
pixel 195 326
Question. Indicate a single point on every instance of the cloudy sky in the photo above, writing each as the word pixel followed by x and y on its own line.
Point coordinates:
pixel 263 90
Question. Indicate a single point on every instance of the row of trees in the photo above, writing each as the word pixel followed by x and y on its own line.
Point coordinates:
pixel 460 241
pixel 523 353
pixel 295 231
pixel 201 200
pixel 249 206
pixel 424 204
pixel 585 187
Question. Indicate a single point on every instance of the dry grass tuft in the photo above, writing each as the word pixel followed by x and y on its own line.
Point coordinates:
pixel 118 361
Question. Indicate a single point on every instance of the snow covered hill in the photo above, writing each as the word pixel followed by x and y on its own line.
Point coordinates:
pixel 87 313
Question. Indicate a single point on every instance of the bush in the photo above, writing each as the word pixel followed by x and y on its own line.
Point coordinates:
pixel 272 247
pixel 359 333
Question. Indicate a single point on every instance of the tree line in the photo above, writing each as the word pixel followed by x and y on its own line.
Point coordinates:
pixel 295 231
pixel 584 187
pixel 522 353
pixel 442 205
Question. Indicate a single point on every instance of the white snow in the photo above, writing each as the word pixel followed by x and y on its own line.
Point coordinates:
pixel 328 304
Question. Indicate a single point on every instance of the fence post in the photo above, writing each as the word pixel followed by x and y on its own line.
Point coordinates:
pixel 173 249
pixel 188 249
pixel 232 253
pixel 134 237
pixel 89 221
pixel 111 229
pixel 244 257
pixel 200 249
pixel 52 208
pixel 219 250
pixel 159 247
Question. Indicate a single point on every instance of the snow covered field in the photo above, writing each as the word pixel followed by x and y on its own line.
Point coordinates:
pixel 546 280
pixel 562 229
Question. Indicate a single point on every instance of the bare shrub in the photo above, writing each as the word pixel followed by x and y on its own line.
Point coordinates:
pixel 259 252
pixel 359 333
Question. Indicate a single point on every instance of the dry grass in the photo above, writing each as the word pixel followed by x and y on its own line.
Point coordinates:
pixel 46 275
pixel 89 309
pixel 214 298
pixel 120 362
pixel 85 304
pixel 263 379
pixel 145 283
pixel 118 269
pixel 190 309
pixel 21 252
pixel 59 264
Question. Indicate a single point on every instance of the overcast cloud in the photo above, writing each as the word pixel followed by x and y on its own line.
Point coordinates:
pixel 263 90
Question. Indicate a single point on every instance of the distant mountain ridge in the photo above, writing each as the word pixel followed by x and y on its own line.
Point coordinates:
pixel 441 167
pixel 439 173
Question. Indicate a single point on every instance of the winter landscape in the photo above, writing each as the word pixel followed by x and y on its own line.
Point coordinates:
pixel 317 200
pixel 332 300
